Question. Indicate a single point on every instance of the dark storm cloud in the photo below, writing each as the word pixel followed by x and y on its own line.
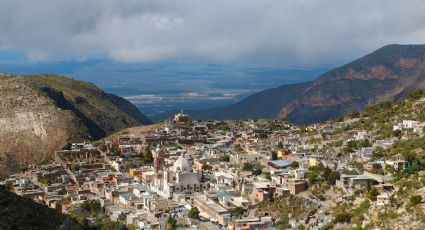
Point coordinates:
pixel 283 31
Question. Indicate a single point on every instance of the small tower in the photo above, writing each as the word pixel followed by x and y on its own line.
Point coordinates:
pixel 158 159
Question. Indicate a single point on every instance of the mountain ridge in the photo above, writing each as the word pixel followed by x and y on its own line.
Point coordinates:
pixel 387 73
pixel 42 113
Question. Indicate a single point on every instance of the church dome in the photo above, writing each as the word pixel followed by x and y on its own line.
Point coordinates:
pixel 182 165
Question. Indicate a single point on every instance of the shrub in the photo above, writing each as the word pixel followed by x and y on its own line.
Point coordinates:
pixel 206 167
pixel 225 158
pixel 416 94
pixel 372 194
pixel 247 167
pixel 92 206
pixel 416 199
pixel 193 213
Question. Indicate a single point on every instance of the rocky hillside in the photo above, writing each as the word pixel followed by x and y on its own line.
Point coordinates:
pixel 41 113
pixel 390 72
pixel 17 213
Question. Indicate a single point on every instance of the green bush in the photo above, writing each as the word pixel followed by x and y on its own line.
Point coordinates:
pixel 193 213
pixel 372 194
pixel 416 199
pixel 416 94
pixel 92 206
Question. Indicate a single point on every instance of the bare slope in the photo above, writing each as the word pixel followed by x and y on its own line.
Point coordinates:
pixel 41 113
pixel 17 212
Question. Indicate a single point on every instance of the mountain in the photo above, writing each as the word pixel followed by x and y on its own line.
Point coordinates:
pixel 17 212
pixel 42 113
pixel 390 72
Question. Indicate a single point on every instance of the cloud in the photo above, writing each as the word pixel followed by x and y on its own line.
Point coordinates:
pixel 290 32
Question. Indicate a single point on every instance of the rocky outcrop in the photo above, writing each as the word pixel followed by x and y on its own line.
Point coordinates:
pixel 42 113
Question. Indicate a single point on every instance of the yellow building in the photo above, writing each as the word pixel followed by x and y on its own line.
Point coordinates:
pixel 280 154
pixel 313 162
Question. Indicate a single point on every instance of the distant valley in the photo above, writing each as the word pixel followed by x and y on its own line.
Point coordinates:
pixel 158 87
pixel 390 72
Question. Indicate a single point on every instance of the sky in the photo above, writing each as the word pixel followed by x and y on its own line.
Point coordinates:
pixel 185 54
pixel 257 32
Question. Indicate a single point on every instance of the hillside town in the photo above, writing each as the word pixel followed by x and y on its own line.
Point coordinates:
pixel 240 175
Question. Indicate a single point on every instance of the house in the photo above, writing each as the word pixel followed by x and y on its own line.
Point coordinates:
pixel 409 124
pixel 241 158
pixel 252 223
pixel 399 163
pixel 295 185
pixel 263 191
pixel 211 210
pixel 382 200
pixel 127 199
pixel 353 181
pixel 375 165
pixel 223 178
pixel 155 204
pixel 315 160
pixel 279 164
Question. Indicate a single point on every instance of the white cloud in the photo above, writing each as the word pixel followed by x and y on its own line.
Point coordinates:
pixel 258 31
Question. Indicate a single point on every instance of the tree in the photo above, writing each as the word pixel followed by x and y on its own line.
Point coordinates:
pixel 257 172
pixel 67 146
pixel 416 94
pixel 416 199
pixel 8 185
pixel 92 206
pixel 268 175
pixel 204 140
pixel 274 155
pixel 206 167
pixel 237 148
pixel 131 227
pixel 378 152
pixel 225 157
pixel 295 164
pixel 43 181
pixel 247 166
pixel 410 156
pixel 147 155
pixel 107 224
pixel 193 213
pixel 280 144
pixel 312 177
pixel 238 211
pixel 62 191
pixel 74 167
pixel 346 150
pixel 330 176
pixel 397 133
pixel 171 223
pixel 372 194
pixel 343 217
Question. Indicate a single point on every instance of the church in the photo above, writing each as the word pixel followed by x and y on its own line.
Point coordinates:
pixel 179 178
